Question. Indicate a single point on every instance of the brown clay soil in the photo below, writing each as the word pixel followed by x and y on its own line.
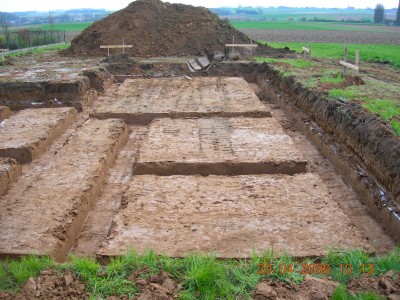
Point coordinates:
pixel 142 100
pixel 163 29
pixel 50 285
pixel 9 172
pixel 24 136
pixel 115 224
pixel 218 146
pixel 5 113
pixel 59 190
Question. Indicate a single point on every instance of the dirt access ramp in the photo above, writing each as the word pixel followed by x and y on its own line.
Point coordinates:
pixel 43 213
pixel 163 29
pixel 139 101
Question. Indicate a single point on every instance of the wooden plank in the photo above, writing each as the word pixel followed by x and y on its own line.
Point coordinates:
pixel 116 46
pixel 242 45
pixel 348 65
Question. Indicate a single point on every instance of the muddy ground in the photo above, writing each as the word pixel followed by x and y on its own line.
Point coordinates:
pixel 126 173
pixel 213 126
pixel 53 284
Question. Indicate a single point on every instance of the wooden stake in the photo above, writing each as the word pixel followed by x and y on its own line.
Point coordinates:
pixel 357 57
pixel 345 60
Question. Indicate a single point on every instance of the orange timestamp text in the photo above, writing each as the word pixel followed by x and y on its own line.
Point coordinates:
pixel 314 268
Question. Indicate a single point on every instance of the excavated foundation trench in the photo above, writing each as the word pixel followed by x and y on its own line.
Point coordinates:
pixel 188 164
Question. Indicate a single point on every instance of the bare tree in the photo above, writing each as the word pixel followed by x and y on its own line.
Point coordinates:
pixel 51 23
pixel 5 25
pixel 379 14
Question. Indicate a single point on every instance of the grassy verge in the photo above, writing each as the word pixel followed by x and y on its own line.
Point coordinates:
pixel 379 97
pixel 204 276
pixel 39 50
pixel 389 54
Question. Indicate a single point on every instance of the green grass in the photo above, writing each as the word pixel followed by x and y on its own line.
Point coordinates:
pixel 372 53
pixel 332 78
pixel 67 26
pixel 297 63
pixel 13 273
pixel 201 276
pixel 341 293
pixel 378 97
pixel 308 26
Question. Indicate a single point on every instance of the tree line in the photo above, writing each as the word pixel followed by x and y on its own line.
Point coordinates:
pixel 379 14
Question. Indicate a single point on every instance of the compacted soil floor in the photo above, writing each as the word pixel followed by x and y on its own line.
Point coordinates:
pixel 175 165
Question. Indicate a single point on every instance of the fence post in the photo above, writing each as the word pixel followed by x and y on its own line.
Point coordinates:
pixel 345 60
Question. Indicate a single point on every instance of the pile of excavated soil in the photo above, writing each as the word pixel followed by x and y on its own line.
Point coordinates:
pixel 155 28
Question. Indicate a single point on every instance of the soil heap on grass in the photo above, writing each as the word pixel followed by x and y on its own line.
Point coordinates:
pixel 157 28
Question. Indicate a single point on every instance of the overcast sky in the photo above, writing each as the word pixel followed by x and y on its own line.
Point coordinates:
pixel 45 5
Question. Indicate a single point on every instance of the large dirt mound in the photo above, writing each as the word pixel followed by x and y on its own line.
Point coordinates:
pixel 155 28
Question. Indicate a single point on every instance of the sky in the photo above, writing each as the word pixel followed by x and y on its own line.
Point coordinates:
pixel 45 5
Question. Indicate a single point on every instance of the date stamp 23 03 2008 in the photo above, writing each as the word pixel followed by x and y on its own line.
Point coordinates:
pixel 315 268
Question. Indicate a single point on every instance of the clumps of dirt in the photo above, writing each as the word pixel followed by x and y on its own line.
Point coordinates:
pixel 350 80
pixel 156 28
pixel 50 285
pixel 155 287
pixel 119 64
pixel 312 288
pixel 387 285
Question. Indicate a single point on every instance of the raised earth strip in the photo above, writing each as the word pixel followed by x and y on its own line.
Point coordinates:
pixel 139 101
pixel 43 214
pixel 27 134
pixel 218 146
pixel 231 216
pixel 9 172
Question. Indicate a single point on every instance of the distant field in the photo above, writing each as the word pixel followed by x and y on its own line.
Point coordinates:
pixel 68 26
pixel 373 53
pixel 313 26
pixel 324 36
pixel 284 14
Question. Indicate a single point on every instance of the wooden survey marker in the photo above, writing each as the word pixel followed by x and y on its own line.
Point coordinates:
pixel 123 46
